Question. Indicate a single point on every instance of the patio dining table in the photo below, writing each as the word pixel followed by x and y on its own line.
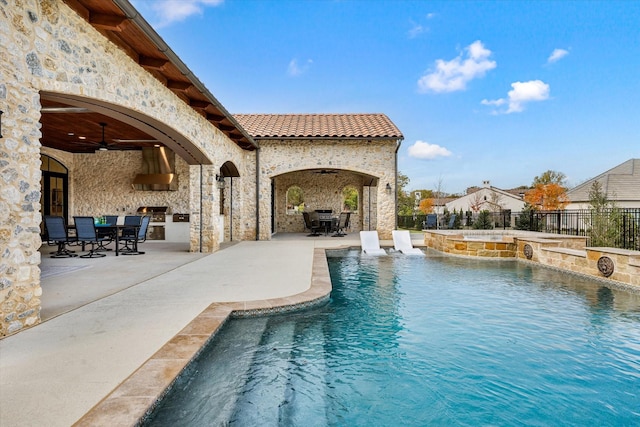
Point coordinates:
pixel 117 228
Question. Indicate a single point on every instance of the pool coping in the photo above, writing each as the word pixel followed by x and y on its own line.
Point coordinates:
pixel 131 402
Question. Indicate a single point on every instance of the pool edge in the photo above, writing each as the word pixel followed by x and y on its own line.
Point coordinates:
pixel 131 402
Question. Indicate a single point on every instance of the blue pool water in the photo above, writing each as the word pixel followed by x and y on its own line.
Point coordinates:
pixel 425 341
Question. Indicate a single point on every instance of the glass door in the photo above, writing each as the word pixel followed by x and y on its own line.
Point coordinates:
pixel 54 188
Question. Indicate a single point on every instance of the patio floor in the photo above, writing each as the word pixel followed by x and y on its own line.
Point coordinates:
pixel 104 317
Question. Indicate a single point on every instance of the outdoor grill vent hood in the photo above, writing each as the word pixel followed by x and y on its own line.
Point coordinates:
pixel 158 167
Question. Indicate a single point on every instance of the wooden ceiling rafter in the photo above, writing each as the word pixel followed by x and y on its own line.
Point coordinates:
pixel 116 21
pixel 107 22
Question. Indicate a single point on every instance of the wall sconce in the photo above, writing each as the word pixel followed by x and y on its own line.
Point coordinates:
pixel 220 181
pixel 388 188
pixel 1 123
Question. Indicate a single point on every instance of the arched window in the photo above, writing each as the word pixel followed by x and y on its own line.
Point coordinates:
pixel 294 200
pixel 350 199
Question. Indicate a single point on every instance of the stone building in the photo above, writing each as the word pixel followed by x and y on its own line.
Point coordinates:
pixel 100 116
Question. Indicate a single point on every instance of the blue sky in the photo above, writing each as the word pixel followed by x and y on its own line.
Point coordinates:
pixel 481 90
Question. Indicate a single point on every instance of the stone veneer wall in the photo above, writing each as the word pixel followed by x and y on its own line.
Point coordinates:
pixel 100 183
pixel 321 191
pixel 46 46
pixel 552 250
pixel 358 157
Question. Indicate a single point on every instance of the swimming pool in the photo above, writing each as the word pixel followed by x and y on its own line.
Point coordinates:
pixel 425 341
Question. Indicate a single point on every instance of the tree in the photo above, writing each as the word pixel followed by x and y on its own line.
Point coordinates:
pixel 550 177
pixel 605 219
pixel 523 221
pixel 548 192
pixel 484 221
pixel 476 201
pixel 349 199
pixel 426 206
pixel 406 202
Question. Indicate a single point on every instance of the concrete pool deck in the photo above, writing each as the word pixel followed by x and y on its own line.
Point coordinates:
pixel 57 371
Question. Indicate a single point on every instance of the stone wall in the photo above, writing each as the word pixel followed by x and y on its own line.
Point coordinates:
pixel 45 47
pixel 619 266
pixel 321 191
pixel 357 162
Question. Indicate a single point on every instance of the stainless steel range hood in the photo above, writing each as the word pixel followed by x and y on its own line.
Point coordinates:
pixel 158 170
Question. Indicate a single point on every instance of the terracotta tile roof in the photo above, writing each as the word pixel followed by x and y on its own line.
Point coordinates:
pixel 318 125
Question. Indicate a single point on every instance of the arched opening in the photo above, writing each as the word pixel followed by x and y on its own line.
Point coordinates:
pixel 224 180
pixel 330 191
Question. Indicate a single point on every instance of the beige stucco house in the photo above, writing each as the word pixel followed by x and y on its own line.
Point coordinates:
pixel 99 116
pixel 488 198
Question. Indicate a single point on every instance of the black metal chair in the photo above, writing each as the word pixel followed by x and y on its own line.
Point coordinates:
pixel 310 224
pixel 431 222
pixel 130 241
pixel 343 224
pixel 58 234
pixel 107 234
pixel 86 233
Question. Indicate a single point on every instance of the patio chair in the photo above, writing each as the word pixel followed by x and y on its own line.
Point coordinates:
pixel 108 234
pixel 130 242
pixel 311 225
pixel 430 222
pixel 402 243
pixel 343 223
pixel 86 233
pixel 58 234
pixel 452 220
pixel 131 224
pixel 371 243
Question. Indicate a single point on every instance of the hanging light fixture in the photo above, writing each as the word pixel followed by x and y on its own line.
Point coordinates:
pixel 103 143
pixel 388 188
pixel 220 181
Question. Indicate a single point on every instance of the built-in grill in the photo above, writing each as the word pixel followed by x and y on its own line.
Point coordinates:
pixel 158 215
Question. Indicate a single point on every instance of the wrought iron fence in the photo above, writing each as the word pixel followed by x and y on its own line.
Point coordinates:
pixel 618 228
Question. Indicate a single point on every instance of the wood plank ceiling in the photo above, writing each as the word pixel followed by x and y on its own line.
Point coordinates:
pixel 62 127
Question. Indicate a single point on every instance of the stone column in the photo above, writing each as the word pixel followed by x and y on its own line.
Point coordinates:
pixel 20 289
pixel 205 209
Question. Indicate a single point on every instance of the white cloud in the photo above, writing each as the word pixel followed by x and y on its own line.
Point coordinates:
pixel 557 55
pixel 170 11
pixel 424 150
pixel 450 76
pixel 294 69
pixel 416 30
pixel 522 93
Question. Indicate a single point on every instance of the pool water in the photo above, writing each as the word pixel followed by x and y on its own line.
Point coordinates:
pixel 417 341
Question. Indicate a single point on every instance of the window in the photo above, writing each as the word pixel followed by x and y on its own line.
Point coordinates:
pixel 350 199
pixel 295 200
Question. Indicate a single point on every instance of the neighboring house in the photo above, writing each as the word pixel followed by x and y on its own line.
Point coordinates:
pixel 487 198
pixel 621 185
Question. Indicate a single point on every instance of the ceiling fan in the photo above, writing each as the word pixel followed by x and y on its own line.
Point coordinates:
pixel 103 145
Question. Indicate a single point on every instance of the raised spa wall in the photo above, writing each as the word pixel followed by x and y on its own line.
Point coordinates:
pixel 568 253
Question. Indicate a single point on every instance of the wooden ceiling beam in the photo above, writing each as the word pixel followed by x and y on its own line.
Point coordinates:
pixel 198 104
pixel 107 22
pixel 179 86
pixel 215 118
pixel 152 63
pixel 225 128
